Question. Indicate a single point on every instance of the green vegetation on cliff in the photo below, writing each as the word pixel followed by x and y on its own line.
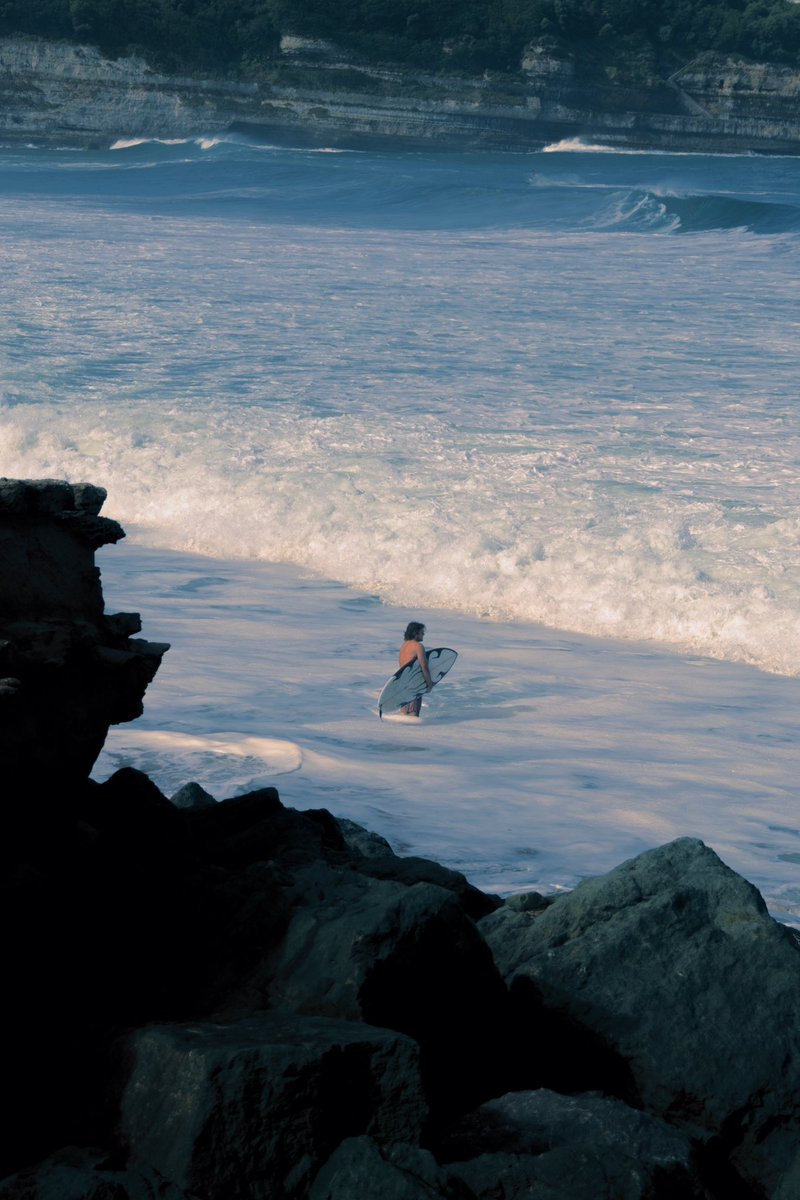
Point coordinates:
pixel 468 35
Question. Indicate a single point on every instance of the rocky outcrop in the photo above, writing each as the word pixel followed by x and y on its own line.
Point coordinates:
pixel 534 1141
pixel 236 1001
pixel 673 964
pixel 67 669
pixel 54 91
pixel 255 1107
pixel 314 93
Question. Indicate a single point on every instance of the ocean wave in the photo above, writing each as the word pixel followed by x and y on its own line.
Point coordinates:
pixel 603 205
pixel 134 142
pixel 506 532
pixel 703 213
pixel 579 146
pixel 226 174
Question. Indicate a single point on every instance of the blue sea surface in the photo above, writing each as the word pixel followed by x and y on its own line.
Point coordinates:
pixel 553 391
pixel 575 369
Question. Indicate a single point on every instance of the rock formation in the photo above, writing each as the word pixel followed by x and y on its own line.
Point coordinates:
pixel 236 1001
pixel 313 92
pixel 67 670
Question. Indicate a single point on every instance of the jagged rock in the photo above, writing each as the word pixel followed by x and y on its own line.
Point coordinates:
pixel 673 963
pixel 257 828
pixel 403 957
pixel 251 1110
pixel 363 841
pixel 192 795
pixel 76 671
pixel 570 1174
pixel 413 870
pixel 362 1170
pixel 529 901
pixel 113 921
pixel 585 1147
pixel 77 1174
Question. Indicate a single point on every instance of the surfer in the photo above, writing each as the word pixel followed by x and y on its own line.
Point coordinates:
pixel 412 648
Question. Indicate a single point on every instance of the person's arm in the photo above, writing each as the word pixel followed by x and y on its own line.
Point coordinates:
pixel 423 662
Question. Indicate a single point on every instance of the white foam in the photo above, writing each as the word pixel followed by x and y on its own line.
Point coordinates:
pixel 492 454
pixel 540 759
pixel 132 143
pixel 484 534
pixel 579 146
pixel 228 763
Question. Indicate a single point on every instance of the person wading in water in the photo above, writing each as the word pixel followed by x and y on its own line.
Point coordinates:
pixel 412 648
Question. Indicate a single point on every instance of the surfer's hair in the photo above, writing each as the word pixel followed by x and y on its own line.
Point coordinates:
pixel 414 631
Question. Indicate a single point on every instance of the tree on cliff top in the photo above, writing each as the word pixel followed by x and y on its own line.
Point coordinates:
pixel 464 34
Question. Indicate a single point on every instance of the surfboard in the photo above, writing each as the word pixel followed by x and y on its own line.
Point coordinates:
pixel 409 681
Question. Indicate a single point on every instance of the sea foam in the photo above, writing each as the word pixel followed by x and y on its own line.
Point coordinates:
pixel 593 431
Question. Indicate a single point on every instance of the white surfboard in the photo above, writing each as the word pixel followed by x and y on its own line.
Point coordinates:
pixel 409 682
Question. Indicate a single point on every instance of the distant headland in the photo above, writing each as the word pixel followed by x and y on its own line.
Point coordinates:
pixel 718 79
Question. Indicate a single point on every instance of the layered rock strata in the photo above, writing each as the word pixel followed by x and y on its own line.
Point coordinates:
pixel 315 93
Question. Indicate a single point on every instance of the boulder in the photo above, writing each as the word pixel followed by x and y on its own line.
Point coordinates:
pixel 78 1174
pixel 363 842
pixel 251 1110
pixel 257 828
pixel 672 963
pixel 192 795
pixel 360 1169
pixel 411 870
pixel 404 957
pixel 587 1147
pixel 70 671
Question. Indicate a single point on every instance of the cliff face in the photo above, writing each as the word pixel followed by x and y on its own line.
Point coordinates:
pixel 69 671
pixel 70 93
pixel 61 92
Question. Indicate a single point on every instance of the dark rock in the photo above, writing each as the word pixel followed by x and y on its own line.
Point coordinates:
pixel 363 842
pixel 257 828
pixel 250 1111
pixel 403 957
pixel 569 1174
pixel 191 795
pixel 413 870
pixel 362 1170
pixel 376 858
pixel 77 671
pixel 576 1147
pixel 529 902
pixel 123 624
pixel 77 1174
pixel 88 498
pixel 298 942
pixel 134 816
pixel 672 961
pixel 38 496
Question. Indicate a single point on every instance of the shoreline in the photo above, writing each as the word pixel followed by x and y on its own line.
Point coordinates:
pixel 265 1001
pixel 554 756
pixel 69 92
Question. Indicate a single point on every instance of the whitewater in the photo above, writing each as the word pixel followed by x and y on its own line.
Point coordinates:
pixel 544 402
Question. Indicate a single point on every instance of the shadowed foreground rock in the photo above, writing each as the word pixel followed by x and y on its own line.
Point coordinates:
pixel 673 963
pixel 533 1141
pixel 236 1001
pixel 67 670
pixel 221 1108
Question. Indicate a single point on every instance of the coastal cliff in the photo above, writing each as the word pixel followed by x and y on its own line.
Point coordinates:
pixel 313 93
pixel 237 1001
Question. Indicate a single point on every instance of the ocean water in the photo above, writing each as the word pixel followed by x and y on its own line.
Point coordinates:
pixel 545 402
